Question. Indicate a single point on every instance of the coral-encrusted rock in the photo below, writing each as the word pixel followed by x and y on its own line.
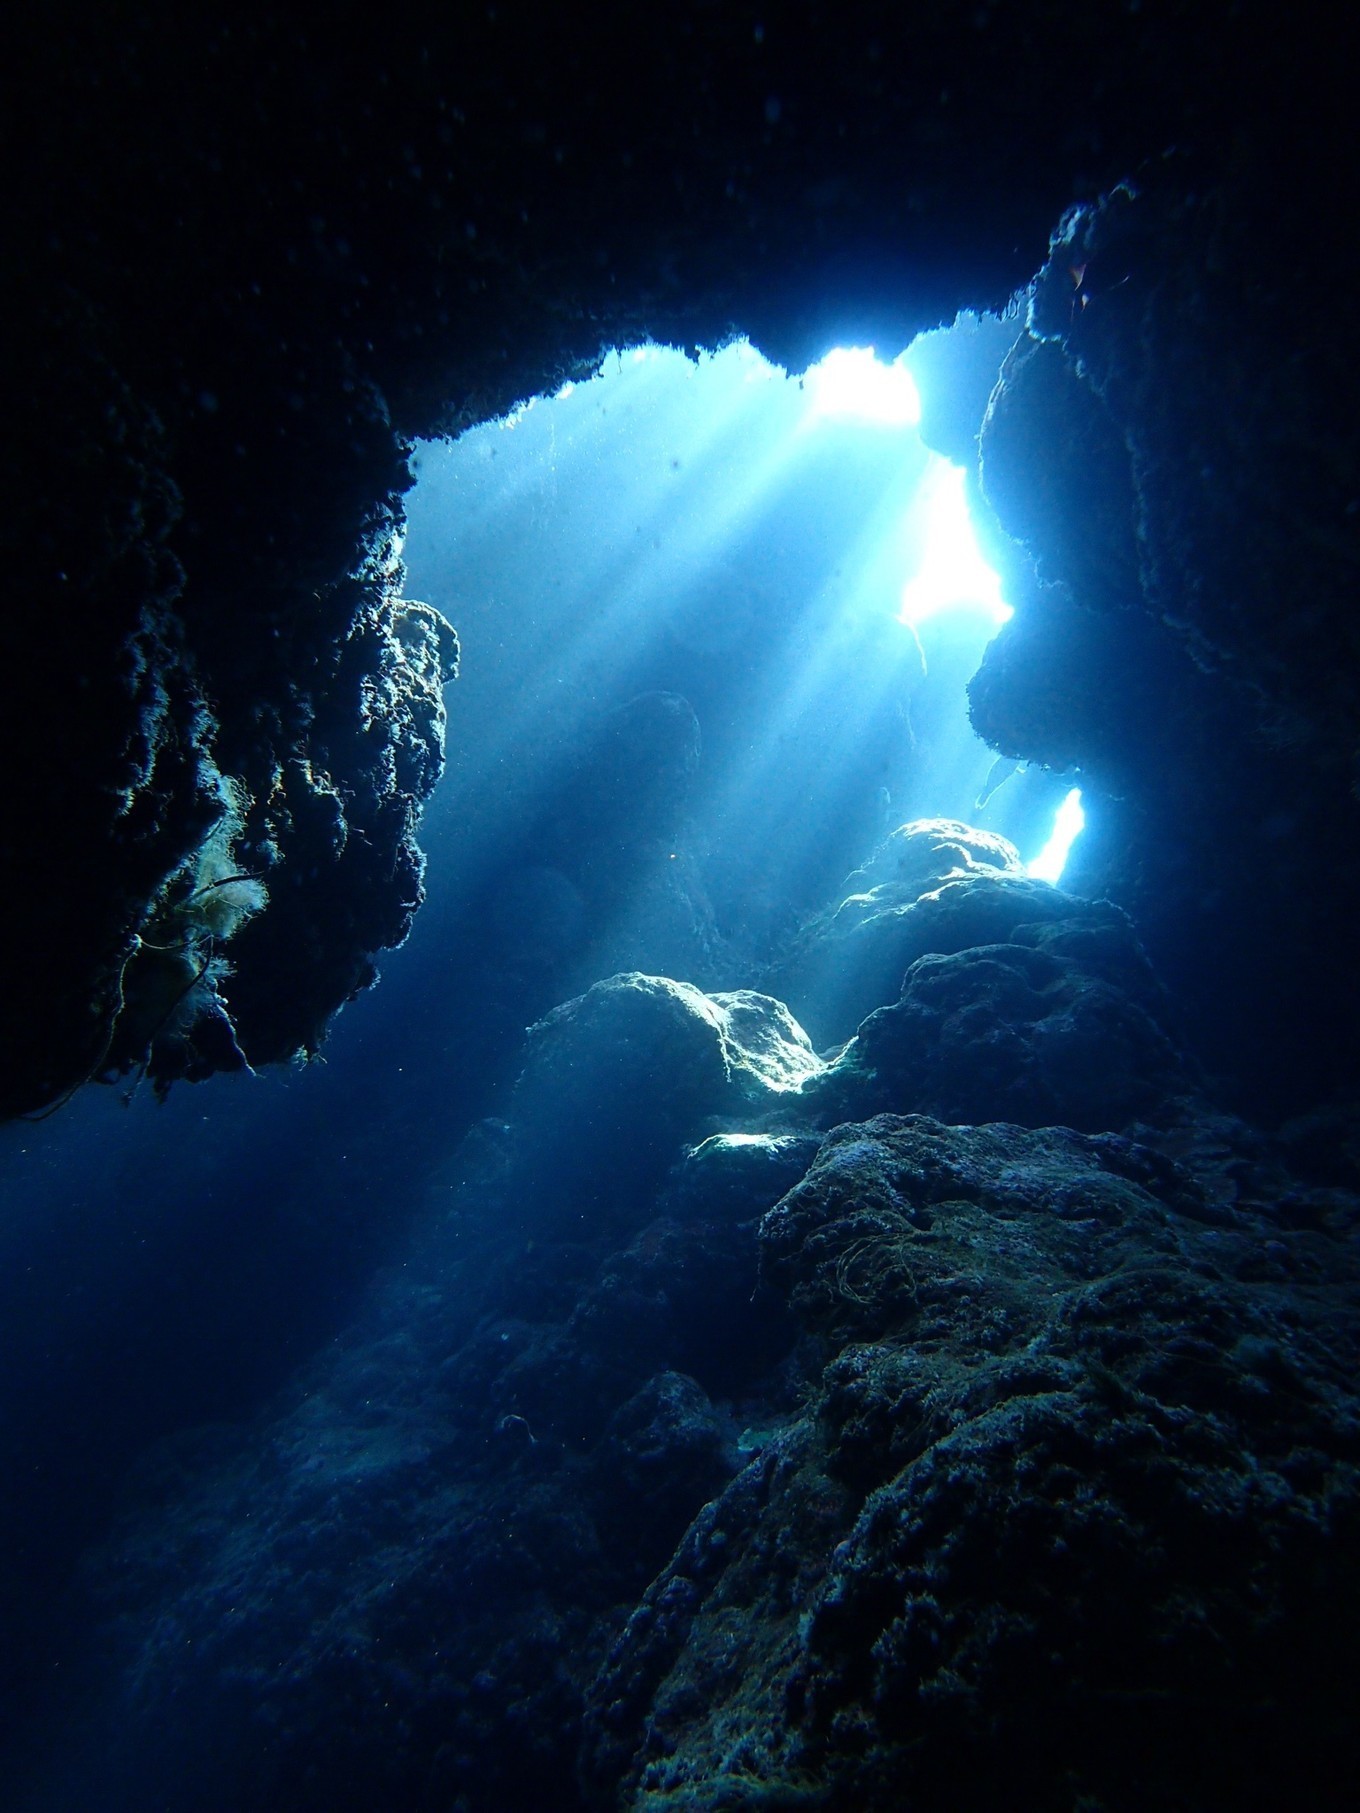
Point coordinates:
pixel 854 959
pixel 927 851
pixel 933 886
pixel 904 1225
pixel 1063 1526
pixel 1010 1032
pixel 665 1452
pixel 1176 454
pixel 732 1176
pixel 346 815
pixel 617 1078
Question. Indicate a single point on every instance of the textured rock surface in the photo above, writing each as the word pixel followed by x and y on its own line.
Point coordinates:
pixel 932 888
pixel 1063 1525
pixel 772 1467
pixel 1192 528
pixel 624 1073
pixel 1006 1030
pixel 1062 1023
pixel 732 1172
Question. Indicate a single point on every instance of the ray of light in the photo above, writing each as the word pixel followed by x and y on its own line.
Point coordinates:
pixel 951 574
pixel 1068 825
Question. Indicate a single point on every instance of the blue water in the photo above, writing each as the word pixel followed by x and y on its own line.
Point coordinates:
pixel 690 535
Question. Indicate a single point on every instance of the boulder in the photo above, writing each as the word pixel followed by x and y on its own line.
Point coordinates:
pixel 933 886
pixel 1009 1032
pixel 617 1079
pixel 735 1176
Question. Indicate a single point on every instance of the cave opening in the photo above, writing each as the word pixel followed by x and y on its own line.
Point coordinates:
pixel 718 624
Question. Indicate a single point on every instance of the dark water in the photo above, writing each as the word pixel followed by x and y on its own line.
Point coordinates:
pixel 687 711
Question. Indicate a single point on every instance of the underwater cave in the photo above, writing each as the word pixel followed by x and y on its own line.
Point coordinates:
pixel 681 1076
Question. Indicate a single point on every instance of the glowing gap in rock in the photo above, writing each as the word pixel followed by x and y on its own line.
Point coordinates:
pixel 851 382
pixel 1048 865
pixel 952 574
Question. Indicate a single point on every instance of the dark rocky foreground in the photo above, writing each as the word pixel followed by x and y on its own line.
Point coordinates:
pixel 697 1456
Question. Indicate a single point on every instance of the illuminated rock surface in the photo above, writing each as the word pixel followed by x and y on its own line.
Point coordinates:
pixel 933 889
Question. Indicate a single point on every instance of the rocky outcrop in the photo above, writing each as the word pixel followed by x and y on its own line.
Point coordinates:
pixel 932 888
pixel 695 1454
pixel 619 1077
pixel 440 1525
pixel 1016 1000
pixel 1170 447
pixel 1060 1522
pixel 1009 1031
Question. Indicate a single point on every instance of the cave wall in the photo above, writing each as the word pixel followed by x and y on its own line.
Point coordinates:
pixel 1171 447
pixel 250 260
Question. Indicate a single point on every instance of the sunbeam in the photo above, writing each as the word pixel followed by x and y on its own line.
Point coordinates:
pixel 785 558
